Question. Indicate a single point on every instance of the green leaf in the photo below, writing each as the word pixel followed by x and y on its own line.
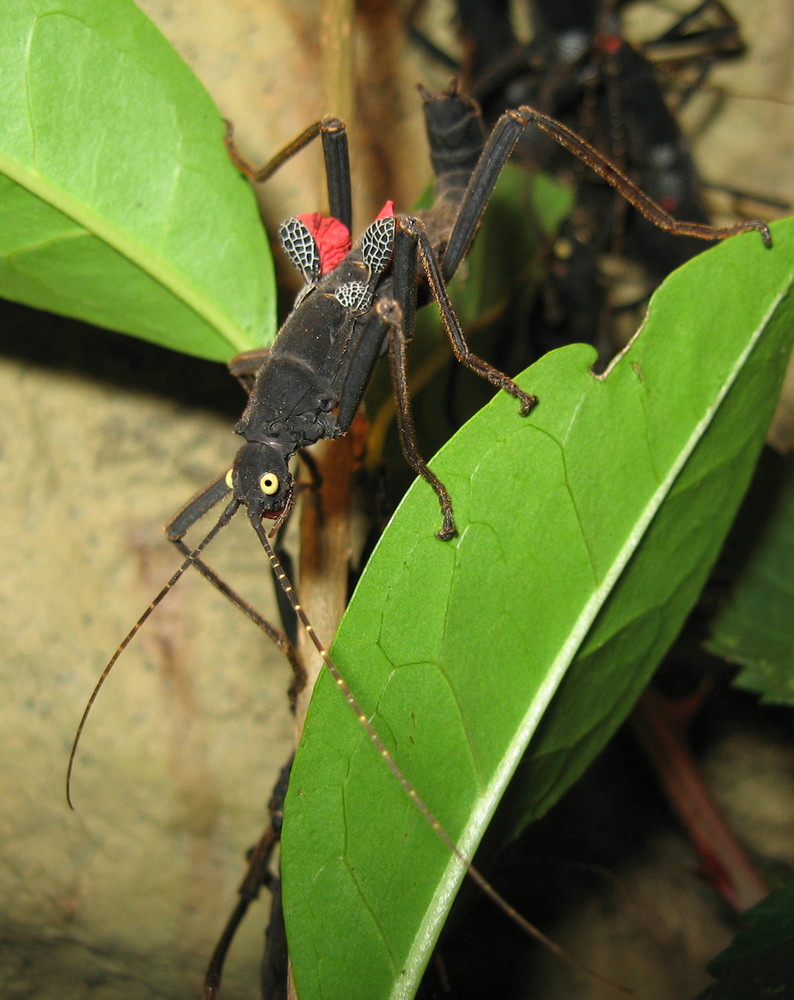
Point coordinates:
pixel 755 627
pixel 586 533
pixel 759 963
pixel 118 203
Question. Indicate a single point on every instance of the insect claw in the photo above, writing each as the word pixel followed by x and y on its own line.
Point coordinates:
pixel 528 403
pixel 448 530
pixel 448 527
pixel 756 224
pixel 765 232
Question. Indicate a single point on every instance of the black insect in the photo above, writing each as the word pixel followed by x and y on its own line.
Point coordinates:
pixel 356 304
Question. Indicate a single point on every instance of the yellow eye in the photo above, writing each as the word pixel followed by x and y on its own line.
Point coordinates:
pixel 230 479
pixel 268 484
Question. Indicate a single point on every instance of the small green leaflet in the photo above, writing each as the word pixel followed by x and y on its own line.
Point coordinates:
pixel 759 963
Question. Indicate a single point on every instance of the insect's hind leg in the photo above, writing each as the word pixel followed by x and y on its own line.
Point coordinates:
pixel 335 152
pixel 498 149
pixel 178 527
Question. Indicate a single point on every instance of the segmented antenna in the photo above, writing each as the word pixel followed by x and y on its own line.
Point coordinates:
pixel 189 560
pixel 289 591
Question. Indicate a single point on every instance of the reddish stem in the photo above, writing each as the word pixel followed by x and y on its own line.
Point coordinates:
pixel 661 725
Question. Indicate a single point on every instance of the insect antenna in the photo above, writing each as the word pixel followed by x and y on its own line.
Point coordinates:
pixel 190 559
pixel 474 873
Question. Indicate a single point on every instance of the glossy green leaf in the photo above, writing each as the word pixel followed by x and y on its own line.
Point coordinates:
pixel 118 203
pixel 759 963
pixel 586 532
pixel 755 626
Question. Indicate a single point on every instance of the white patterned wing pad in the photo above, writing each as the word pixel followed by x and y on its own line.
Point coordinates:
pixel 301 248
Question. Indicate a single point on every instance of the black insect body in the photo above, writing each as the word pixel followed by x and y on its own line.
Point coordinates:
pixel 311 382
pixel 308 386
pixel 355 303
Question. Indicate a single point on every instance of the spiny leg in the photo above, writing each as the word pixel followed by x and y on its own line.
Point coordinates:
pixel 633 194
pixel 500 145
pixel 399 316
pixel 413 232
pixel 391 313
pixel 410 243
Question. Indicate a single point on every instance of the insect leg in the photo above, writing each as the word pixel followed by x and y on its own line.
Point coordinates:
pixel 337 162
pixel 414 231
pixel 244 366
pixel 695 37
pixel 500 145
pixel 399 315
pixel 337 170
pixel 258 875
pixel 176 529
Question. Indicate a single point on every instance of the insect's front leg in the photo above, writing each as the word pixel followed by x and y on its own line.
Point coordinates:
pixel 398 313
pixel 245 366
pixel 178 527
pixel 393 316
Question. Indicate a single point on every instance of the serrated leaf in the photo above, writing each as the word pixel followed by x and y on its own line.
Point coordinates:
pixel 118 203
pixel 586 532
pixel 759 962
pixel 755 627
